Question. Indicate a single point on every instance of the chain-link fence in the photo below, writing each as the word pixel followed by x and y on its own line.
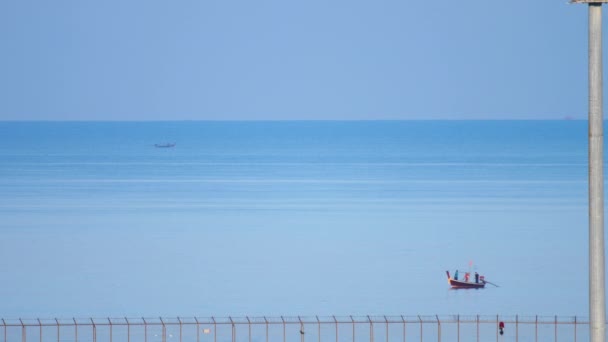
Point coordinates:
pixel 299 329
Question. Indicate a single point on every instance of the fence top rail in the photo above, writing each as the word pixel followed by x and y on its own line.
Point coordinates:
pixel 241 320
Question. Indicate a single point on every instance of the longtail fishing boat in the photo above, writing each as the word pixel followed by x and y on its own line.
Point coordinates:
pixel 459 284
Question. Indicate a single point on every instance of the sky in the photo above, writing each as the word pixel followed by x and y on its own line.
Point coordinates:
pixel 292 60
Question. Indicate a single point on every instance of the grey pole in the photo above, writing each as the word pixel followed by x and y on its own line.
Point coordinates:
pixel 597 289
pixel 597 297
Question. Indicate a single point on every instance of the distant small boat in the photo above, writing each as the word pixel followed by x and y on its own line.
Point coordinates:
pixel 458 284
pixel 164 145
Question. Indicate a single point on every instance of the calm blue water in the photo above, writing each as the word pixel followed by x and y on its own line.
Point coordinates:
pixel 303 218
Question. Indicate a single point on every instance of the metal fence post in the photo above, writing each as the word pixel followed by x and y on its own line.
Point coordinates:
pixel 145 329
pixel 477 328
pixel 319 325
pixel 4 323
pixel 23 332
pixel 352 320
pixel 403 320
pixel 575 328
pixel 301 329
pixel 249 327
pixel 164 334
pixel 128 329
pixel 284 337
pixel 75 330
pixel 94 330
pixel 39 329
pixel 516 328
pixel 58 336
pixel 536 329
pixel 267 328
pixel 371 329
pixel 233 330
pixel 336 323
pixel 420 319
pixel 180 328
pixel 215 330
pixel 438 329
pixel 110 322
pixel 386 320
pixel 555 328
pixel 198 330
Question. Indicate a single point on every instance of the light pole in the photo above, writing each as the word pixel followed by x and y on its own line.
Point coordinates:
pixel 597 296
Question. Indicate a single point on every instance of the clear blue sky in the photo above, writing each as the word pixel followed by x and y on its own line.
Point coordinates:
pixel 284 59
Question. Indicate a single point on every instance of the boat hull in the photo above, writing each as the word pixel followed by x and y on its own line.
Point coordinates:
pixel 465 285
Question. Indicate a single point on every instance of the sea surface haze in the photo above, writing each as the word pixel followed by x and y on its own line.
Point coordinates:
pixel 302 218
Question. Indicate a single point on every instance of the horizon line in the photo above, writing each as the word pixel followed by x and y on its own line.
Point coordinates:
pixel 282 120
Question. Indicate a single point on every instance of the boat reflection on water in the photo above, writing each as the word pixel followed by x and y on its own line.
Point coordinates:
pixel 167 145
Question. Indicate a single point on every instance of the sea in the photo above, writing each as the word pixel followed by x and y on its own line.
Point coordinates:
pixel 292 218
